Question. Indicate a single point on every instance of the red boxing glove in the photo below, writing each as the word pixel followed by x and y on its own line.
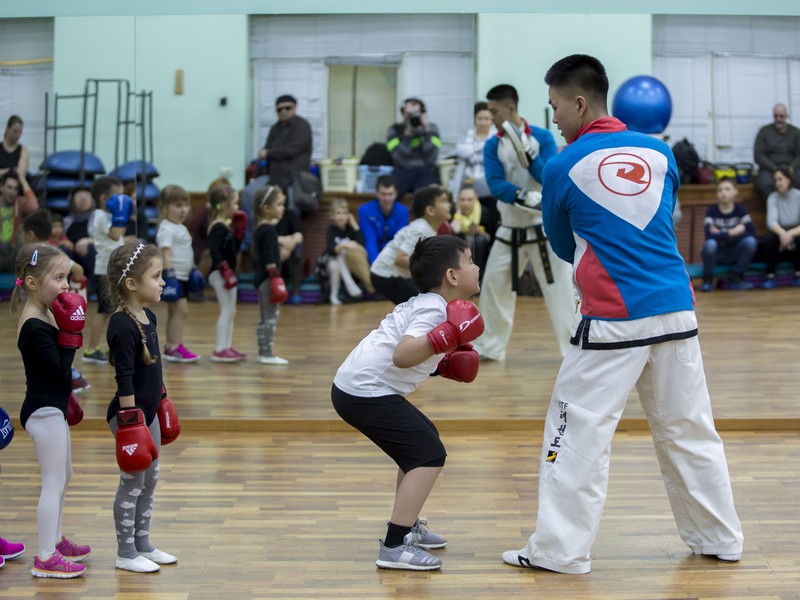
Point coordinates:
pixel 460 364
pixel 74 411
pixel 69 310
pixel 227 274
pixel 239 224
pixel 464 323
pixel 168 419
pixel 136 449
pixel 277 287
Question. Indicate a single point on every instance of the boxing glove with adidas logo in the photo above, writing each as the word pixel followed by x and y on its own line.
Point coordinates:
pixel 136 449
pixel 69 311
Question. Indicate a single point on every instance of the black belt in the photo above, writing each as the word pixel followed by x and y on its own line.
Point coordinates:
pixel 518 239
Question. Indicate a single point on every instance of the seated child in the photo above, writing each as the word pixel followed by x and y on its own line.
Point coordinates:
pixel 58 237
pixel 78 225
pixel 730 238
pixel 469 223
pixel 348 256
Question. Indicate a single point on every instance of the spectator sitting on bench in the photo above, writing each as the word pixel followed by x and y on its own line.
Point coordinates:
pixel 730 237
pixel 382 218
pixel 783 222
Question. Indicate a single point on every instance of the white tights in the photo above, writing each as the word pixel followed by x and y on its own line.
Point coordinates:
pixel 338 272
pixel 227 310
pixel 50 433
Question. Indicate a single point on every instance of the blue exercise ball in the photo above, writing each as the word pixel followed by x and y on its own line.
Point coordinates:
pixel 643 103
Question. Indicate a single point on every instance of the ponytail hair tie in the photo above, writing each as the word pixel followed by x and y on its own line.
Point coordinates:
pixel 18 282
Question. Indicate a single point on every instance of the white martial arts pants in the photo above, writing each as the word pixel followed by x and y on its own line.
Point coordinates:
pixel 497 301
pixel 589 396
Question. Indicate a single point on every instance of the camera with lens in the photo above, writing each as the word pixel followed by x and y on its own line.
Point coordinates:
pixel 415 120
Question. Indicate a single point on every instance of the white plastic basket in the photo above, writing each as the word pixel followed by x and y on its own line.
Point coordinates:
pixel 368 176
pixel 339 175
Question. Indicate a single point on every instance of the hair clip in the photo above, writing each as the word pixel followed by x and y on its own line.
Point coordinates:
pixel 18 282
pixel 130 263
pixel 34 258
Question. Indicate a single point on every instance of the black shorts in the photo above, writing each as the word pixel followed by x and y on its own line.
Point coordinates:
pixel 396 289
pixel 395 425
pixel 104 304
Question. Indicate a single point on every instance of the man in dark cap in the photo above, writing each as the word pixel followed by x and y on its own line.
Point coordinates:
pixel 288 145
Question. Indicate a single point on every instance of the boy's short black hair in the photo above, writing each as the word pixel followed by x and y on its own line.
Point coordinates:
pixel 102 186
pixel 39 224
pixel 580 72
pixel 730 180
pixel 386 181
pixel 432 257
pixel 424 198
pixel 503 93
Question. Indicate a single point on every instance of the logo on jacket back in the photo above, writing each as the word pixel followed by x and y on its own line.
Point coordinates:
pixel 624 174
pixel 626 181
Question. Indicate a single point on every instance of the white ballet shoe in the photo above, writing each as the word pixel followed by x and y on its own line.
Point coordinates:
pixel 159 557
pixel 140 564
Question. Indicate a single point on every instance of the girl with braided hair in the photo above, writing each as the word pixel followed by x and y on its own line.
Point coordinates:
pixel 134 278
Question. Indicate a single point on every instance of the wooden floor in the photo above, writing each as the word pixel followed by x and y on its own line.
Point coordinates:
pixel 267 495
pixel 289 515
pixel 750 342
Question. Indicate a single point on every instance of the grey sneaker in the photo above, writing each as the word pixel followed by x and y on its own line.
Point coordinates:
pixel 406 556
pixel 95 355
pixel 424 537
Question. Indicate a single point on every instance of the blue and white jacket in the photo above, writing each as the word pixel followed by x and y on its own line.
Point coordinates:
pixel 607 205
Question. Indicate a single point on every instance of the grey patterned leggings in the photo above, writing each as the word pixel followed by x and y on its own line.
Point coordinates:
pixel 268 322
pixel 133 504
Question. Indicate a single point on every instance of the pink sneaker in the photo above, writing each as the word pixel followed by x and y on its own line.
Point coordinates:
pixel 2 562
pixel 227 355
pixel 180 354
pixel 237 353
pixel 56 566
pixel 79 382
pixel 9 550
pixel 72 551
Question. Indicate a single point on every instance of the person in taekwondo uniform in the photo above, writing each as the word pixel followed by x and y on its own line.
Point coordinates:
pixel 607 208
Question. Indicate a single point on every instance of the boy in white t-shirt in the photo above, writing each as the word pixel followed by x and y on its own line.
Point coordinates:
pixel 389 271
pixel 391 362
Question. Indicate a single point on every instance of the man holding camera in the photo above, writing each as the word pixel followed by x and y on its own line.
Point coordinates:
pixel 414 145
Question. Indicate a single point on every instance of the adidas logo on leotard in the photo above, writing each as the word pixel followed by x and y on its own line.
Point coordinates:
pixel 78 315
pixel 130 449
